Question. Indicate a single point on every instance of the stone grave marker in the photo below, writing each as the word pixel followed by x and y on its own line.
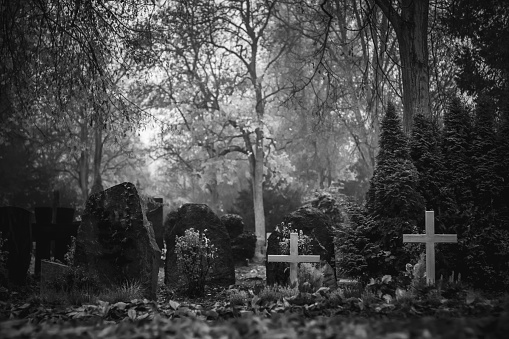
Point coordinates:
pixel 430 238
pixel 156 216
pixel 50 271
pixel 294 258
pixel 317 225
pixel 199 217
pixel 52 232
pixel 65 229
pixel 116 241
pixel 15 227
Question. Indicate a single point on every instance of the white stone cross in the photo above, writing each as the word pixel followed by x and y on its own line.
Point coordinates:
pixel 294 258
pixel 430 238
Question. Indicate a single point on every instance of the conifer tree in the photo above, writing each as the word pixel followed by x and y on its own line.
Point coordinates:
pixel 456 151
pixel 427 157
pixel 392 199
pixel 487 182
pixel 502 154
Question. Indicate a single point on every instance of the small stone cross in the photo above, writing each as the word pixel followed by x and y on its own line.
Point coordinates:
pixel 430 238
pixel 294 258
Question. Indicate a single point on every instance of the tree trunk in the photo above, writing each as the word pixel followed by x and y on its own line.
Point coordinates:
pixel 413 51
pixel 259 210
pixel 83 174
pixel 411 28
pixel 98 153
pixel 214 195
pixel 83 162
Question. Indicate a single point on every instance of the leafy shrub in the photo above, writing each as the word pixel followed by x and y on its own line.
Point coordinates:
pixel 75 286
pixel 304 241
pixel 71 250
pixel 276 292
pixel 128 291
pixel 351 290
pixel 75 279
pixel 237 297
pixel 195 255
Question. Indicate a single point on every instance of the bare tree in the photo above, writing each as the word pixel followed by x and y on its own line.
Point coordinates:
pixel 215 53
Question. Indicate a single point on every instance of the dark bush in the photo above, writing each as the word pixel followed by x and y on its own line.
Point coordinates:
pixel 234 224
pixel 243 247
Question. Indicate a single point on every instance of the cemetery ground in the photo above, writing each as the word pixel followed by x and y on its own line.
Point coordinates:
pixel 249 309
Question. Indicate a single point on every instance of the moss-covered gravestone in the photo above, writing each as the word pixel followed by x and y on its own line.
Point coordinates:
pixel 199 217
pixel 115 240
pixel 243 243
pixel 317 225
pixel 313 223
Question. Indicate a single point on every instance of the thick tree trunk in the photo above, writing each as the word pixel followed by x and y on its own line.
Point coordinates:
pixel 214 195
pixel 413 51
pixel 411 28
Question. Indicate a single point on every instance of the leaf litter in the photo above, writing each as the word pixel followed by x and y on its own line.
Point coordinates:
pixel 302 316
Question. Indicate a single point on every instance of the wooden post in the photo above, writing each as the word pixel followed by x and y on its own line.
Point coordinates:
pixel 294 258
pixel 430 238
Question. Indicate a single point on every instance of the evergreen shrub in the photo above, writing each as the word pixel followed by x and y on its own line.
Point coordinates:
pixel 393 201
pixel 358 254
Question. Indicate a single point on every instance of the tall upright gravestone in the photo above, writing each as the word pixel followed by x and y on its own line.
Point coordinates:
pixel 15 228
pixel 156 217
pixel 199 217
pixel 115 240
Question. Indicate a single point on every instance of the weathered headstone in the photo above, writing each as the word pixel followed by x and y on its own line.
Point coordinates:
pixel 50 272
pixel 430 238
pixel 43 231
pixel 329 276
pixel 115 240
pixel 243 242
pixel 52 232
pixel 65 229
pixel 15 227
pixel 199 217
pixel 317 225
pixel 276 272
pixel 234 224
pixel 156 217
pixel 293 259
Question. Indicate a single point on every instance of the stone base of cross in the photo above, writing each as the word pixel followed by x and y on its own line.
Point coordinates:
pixel 294 258
pixel 430 238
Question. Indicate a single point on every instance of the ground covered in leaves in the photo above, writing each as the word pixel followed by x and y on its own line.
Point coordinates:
pixel 461 314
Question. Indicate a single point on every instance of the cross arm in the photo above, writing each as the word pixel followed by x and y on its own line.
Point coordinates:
pixel 293 259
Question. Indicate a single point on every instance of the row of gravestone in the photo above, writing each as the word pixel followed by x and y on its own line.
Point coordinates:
pixel 117 242
pixel 52 236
